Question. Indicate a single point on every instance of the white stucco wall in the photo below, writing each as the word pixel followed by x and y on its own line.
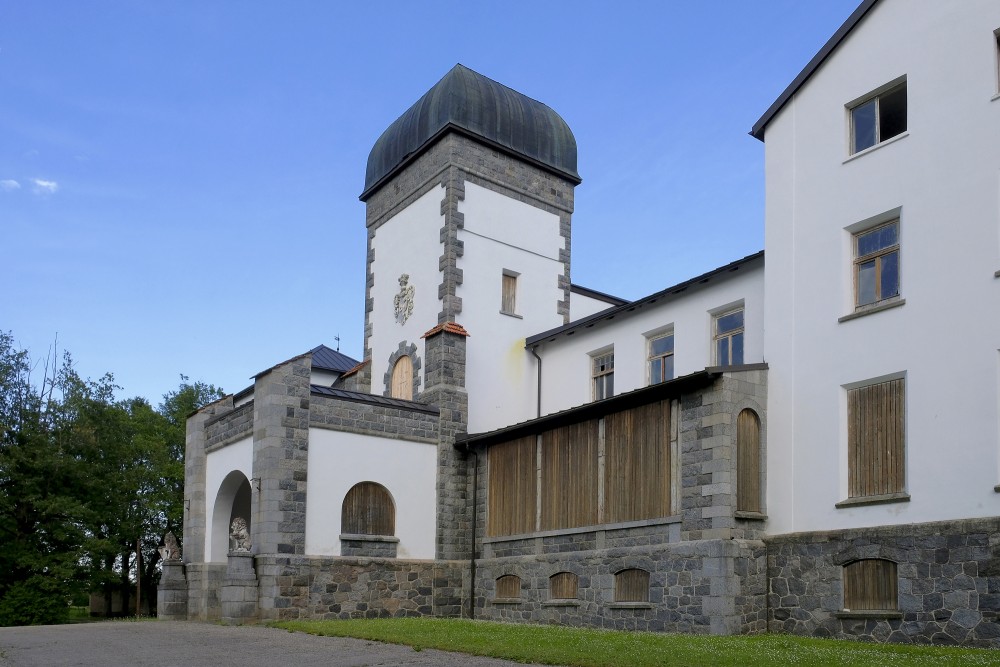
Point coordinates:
pixel 500 234
pixel 218 464
pixel 566 374
pixel 408 243
pixel 581 305
pixel 322 377
pixel 338 461
pixel 943 178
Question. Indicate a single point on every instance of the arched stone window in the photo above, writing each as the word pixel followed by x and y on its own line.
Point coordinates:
pixel 508 587
pixel 871 584
pixel 564 586
pixel 748 491
pixel 632 585
pixel 368 510
pixel 402 379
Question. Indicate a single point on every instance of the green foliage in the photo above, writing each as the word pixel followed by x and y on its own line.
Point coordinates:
pixel 83 478
pixel 578 647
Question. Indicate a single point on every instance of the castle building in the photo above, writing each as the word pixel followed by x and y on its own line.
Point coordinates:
pixel 807 445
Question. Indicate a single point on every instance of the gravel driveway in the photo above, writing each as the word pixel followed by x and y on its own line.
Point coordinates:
pixel 180 644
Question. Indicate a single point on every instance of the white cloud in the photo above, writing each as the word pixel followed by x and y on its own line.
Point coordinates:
pixel 9 184
pixel 43 187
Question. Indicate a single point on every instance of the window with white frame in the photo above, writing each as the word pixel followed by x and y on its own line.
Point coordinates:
pixel 508 292
pixel 878 117
pixel 603 375
pixel 876 264
pixel 727 336
pixel 661 358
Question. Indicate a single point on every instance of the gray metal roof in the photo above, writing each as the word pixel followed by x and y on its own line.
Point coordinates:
pixel 758 128
pixel 468 102
pixel 372 399
pixel 625 309
pixel 325 358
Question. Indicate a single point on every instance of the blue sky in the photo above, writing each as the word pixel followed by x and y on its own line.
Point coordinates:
pixel 179 181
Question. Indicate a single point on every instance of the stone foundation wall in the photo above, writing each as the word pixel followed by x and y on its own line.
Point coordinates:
pixel 948 583
pixel 339 588
pixel 702 587
pixel 204 585
pixel 372 546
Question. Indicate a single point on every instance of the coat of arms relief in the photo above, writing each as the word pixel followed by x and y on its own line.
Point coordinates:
pixel 404 300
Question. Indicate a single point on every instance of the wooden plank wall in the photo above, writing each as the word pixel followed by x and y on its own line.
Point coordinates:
pixel 870 584
pixel 748 495
pixel 876 439
pixel 368 510
pixel 569 476
pixel 512 507
pixel 637 463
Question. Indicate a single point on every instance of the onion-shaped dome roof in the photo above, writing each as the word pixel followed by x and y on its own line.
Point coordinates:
pixel 470 103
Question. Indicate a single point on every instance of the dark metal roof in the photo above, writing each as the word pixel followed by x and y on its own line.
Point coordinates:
pixel 599 296
pixel 657 392
pixel 664 295
pixel 372 399
pixel 468 102
pixel 758 128
pixel 327 359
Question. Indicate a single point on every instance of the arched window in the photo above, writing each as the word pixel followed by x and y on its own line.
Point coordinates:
pixel 870 584
pixel 632 586
pixel 748 462
pixel 402 379
pixel 368 510
pixel 563 586
pixel 508 587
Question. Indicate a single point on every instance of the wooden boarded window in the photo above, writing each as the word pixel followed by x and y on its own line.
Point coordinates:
pixel 564 586
pixel 508 293
pixel 748 495
pixel 512 487
pixel 569 476
pixel 632 586
pixel 876 439
pixel 368 510
pixel 870 585
pixel 508 587
pixel 402 379
pixel 637 463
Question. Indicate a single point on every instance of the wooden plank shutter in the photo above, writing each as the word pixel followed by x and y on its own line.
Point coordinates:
pixel 569 476
pixel 368 510
pixel 512 487
pixel 632 586
pixel 876 424
pixel 748 493
pixel 402 379
pixel 870 584
pixel 637 463
pixel 563 586
pixel 508 586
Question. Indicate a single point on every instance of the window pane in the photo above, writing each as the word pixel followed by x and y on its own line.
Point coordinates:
pixel 892 113
pixel 668 368
pixel 655 371
pixel 609 387
pixel 730 322
pixel 863 124
pixel 890 275
pixel 722 352
pixel 660 346
pixel 877 239
pixel 866 283
pixel 738 348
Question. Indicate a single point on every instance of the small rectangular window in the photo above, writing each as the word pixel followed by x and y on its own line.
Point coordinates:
pixel 661 358
pixel 508 293
pixel 878 118
pixel 876 264
pixel 603 373
pixel 871 585
pixel 728 338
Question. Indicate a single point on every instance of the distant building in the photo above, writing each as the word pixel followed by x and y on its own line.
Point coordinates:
pixel 808 445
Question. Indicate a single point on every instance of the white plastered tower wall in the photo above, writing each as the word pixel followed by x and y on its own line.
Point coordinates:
pixel 941 179
pixel 502 234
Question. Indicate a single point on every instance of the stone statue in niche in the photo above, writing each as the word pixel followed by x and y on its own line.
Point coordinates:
pixel 404 300
pixel 239 536
pixel 170 550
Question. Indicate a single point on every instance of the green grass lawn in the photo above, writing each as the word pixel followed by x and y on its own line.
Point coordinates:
pixel 553 645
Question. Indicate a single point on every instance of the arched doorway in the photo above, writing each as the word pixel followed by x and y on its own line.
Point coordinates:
pixel 233 500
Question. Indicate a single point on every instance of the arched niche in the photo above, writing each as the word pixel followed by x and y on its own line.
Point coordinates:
pixel 232 500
